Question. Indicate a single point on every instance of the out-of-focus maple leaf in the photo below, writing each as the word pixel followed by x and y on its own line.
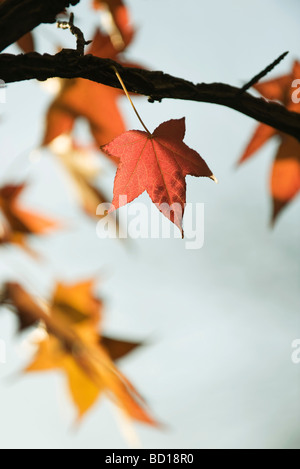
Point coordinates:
pixel 89 195
pixel 82 171
pixel 76 303
pixel 285 176
pixel 26 43
pixel 74 346
pixel 18 222
pixel 120 29
pixel 118 349
pixel 83 98
pixel 285 179
pixel 157 163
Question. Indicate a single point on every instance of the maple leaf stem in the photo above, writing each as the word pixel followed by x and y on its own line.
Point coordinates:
pixel 130 100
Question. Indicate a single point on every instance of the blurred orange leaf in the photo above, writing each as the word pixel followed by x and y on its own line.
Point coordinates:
pixel 121 31
pixel 118 349
pixel 19 223
pixel 74 346
pixel 94 102
pixel 26 43
pixel 285 177
pixel 82 172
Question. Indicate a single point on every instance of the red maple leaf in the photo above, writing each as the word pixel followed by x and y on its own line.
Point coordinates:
pixel 157 163
pixel 285 175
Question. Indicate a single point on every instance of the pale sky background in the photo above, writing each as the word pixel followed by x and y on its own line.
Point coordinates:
pixel 219 321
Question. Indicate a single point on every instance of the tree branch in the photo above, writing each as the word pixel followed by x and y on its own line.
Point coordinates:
pixel 262 74
pixel 155 85
pixel 18 17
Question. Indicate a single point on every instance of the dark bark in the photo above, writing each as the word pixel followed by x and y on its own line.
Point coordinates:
pixel 155 85
pixel 18 17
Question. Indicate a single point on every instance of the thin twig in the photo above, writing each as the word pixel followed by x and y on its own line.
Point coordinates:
pixel 262 74
pixel 81 42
